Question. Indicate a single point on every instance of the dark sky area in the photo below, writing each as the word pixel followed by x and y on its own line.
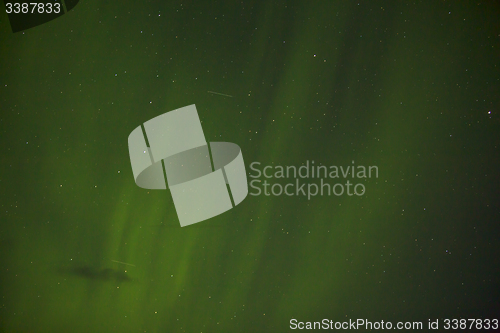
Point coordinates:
pixel 411 87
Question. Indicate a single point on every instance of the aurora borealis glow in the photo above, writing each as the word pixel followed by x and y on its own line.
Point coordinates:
pixel 410 87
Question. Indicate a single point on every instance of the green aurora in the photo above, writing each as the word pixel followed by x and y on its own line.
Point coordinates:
pixel 410 87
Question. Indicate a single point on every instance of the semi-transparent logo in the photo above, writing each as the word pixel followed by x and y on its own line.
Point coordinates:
pixel 205 179
pixel 311 180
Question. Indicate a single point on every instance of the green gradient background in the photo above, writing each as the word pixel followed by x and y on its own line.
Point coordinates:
pixel 407 87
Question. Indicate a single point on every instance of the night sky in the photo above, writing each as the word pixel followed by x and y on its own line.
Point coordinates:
pixel 410 87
